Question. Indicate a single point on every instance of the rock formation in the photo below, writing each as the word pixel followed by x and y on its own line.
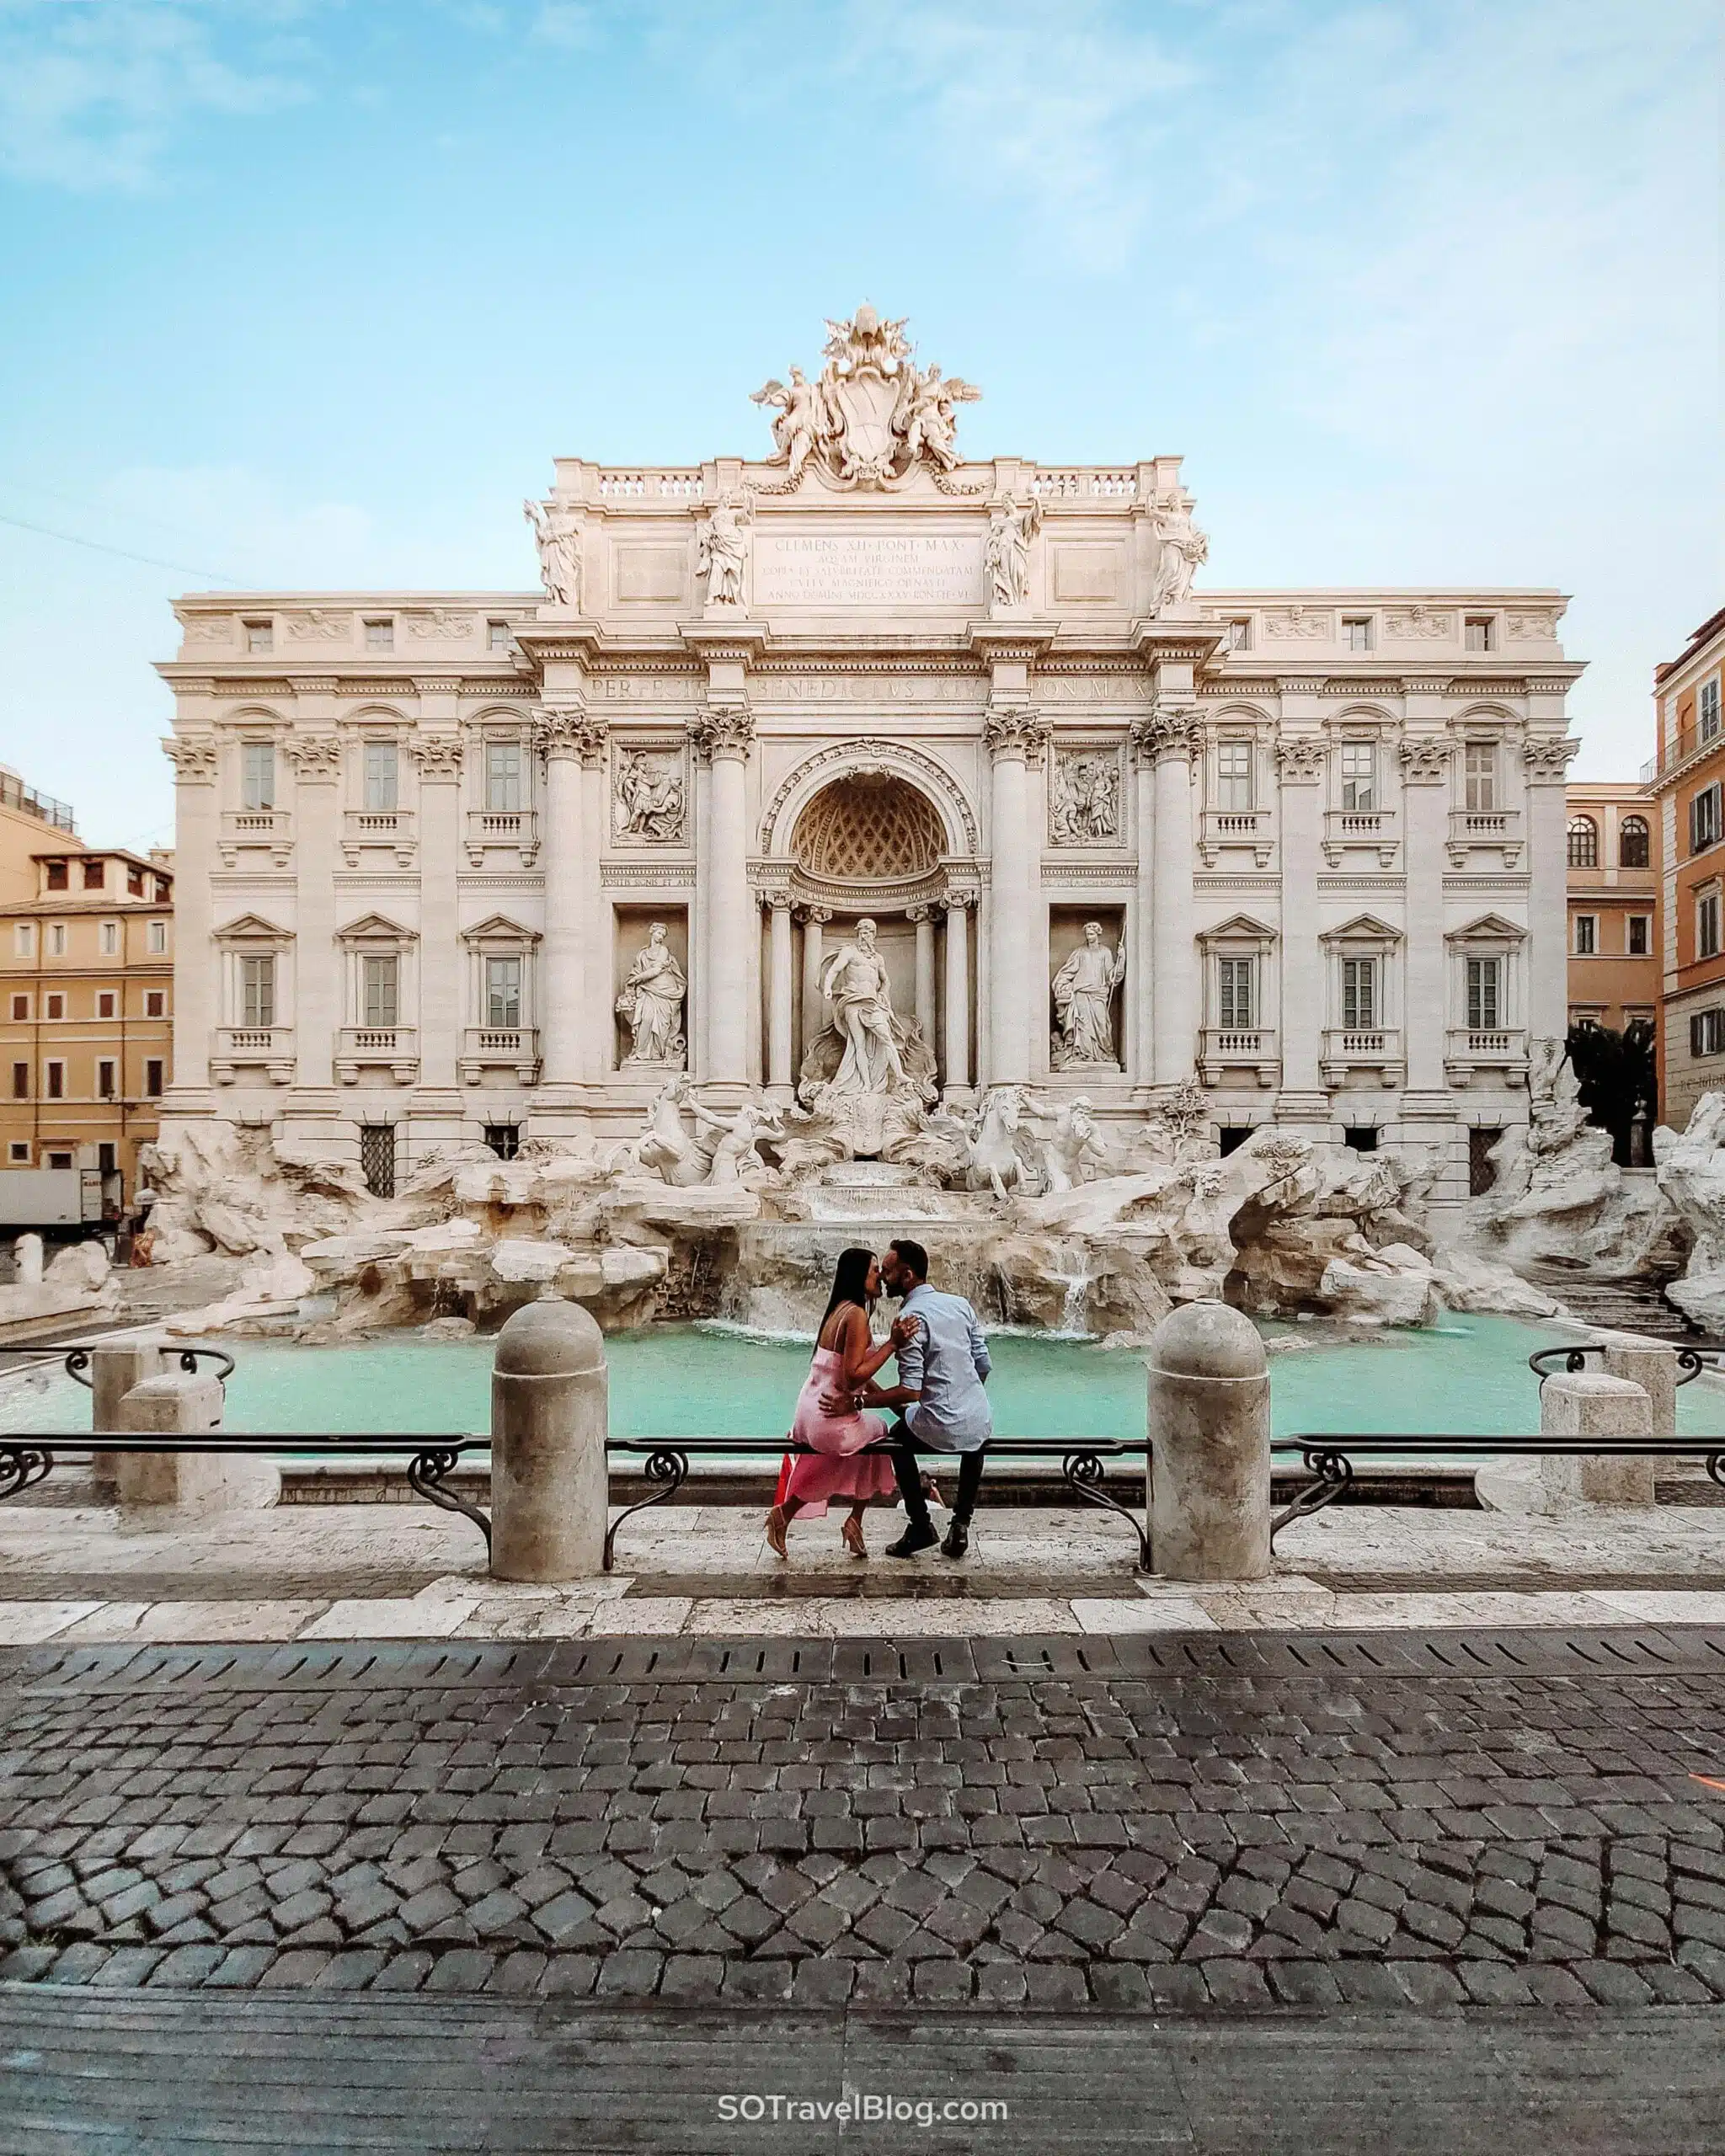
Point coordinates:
pixel 1689 1166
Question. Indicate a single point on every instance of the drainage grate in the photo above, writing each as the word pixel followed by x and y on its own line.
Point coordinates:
pixel 1642 1651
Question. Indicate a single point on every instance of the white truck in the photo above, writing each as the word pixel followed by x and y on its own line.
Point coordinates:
pixel 48 1197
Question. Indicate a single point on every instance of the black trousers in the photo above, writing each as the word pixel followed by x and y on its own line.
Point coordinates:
pixel 905 1466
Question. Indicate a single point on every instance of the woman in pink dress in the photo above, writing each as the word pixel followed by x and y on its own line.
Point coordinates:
pixel 846 1357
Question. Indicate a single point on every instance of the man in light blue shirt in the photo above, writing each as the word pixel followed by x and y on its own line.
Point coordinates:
pixel 943 1408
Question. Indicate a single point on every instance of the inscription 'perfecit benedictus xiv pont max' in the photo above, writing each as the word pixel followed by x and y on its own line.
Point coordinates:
pixel 456 862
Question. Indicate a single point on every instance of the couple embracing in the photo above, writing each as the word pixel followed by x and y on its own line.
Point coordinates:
pixel 939 1402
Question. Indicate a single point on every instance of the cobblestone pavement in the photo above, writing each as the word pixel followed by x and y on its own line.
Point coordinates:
pixel 1228 1825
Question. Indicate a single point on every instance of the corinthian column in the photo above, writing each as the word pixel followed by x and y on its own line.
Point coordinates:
pixel 195 972
pixel 729 731
pixel 1171 730
pixel 1015 739
pixel 1141 978
pixel 436 1107
pixel 955 1077
pixel 814 919
pixel 1544 761
pixel 923 916
pixel 560 735
pixel 779 1066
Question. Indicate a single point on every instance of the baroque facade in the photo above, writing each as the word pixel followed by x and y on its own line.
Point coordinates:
pixel 466 865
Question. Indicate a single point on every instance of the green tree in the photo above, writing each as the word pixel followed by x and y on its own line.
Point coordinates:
pixel 1617 1078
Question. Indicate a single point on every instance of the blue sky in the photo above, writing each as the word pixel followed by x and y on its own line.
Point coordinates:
pixel 307 294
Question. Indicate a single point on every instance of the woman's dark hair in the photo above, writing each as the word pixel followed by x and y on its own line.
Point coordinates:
pixel 850 1282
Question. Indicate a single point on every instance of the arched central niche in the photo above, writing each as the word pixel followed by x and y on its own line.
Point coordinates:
pixel 870 827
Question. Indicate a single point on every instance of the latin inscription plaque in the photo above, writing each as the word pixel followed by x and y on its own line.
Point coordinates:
pixel 867 569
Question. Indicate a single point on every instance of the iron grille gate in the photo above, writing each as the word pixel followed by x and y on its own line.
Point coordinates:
pixel 378 1158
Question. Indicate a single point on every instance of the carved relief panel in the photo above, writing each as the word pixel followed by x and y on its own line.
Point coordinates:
pixel 1084 794
pixel 650 792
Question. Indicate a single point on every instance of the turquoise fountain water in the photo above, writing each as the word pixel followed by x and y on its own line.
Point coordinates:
pixel 1468 1376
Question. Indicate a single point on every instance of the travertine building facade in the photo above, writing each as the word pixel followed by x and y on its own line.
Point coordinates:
pixel 448 862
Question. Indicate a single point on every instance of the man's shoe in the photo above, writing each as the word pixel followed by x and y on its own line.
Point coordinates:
pixel 912 1541
pixel 957 1540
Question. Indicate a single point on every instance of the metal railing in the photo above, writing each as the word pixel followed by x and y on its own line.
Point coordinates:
pixel 15 794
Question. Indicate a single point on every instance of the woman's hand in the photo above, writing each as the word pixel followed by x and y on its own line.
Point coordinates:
pixel 838 1404
pixel 904 1330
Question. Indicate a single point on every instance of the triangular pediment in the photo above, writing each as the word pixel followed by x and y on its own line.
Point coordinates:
pixel 1489 928
pixel 1364 928
pixel 251 927
pixel 375 926
pixel 499 928
pixel 1241 927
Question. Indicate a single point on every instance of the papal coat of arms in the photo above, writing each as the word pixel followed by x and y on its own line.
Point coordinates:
pixel 871 417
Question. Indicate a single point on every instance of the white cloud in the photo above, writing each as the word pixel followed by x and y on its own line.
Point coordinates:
pixel 565 23
pixel 241 525
pixel 92 96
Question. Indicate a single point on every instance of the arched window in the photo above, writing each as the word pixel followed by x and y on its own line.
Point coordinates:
pixel 1583 842
pixel 1632 843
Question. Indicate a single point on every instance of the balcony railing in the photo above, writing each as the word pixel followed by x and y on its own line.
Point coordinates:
pixel 1498 828
pixel 15 794
pixel 1680 749
pixel 1224 1048
pixel 267 1049
pixel 1348 1048
pixel 1371 831
pixel 270 828
pixel 391 828
pixel 1234 827
pixel 393 1048
pixel 517 829
pixel 1498 1050
pixel 513 1048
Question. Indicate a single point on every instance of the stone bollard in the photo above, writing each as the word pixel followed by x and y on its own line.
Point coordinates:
pixel 1210 1446
pixel 549 1415
pixel 1584 1406
pixel 27 1254
pixel 1653 1368
pixel 115 1366
pixel 170 1490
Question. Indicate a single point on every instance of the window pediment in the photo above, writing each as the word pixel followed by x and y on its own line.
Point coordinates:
pixel 378 930
pixel 497 932
pixel 252 928
pixel 1364 929
pixel 1240 930
pixel 1489 928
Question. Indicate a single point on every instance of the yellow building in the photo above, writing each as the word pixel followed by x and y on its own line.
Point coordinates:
pixel 28 820
pixel 86 1014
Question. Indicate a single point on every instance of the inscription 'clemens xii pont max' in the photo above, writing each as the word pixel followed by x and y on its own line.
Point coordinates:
pixel 887 568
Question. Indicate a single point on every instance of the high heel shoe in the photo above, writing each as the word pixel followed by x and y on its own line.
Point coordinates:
pixel 851 1535
pixel 776 1525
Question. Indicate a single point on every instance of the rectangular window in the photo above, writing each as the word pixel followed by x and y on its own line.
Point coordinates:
pixel 260 636
pixel 156 1003
pixel 257 764
pixel 1706 1032
pixel 1706 927
pixel 134 881
pixel 20 1081
pixel 107 1161
pixel 158 939
pixel 378 1158
pixel 95 875
pixel 59 876
pixel 1234 999
pixel 503 993
pixel 1359 776
pixel 1480 768
pixel 152 1078
pixel 1362 1137
pixel 24 939
pixel 498 636
pixel 1707 708
pixel 503 775
pixel 1356 632
pixel 380 636
pixel 1240 633
pixel 381 767
pixel 57 1081
pixel 380 985
pixel 107 1003
pixel 21 1008
pixel 1483 1003
pixel 54 1006
pixel 1587 930
pixel 1359 995
pixel 56 939
pixel 1234 775
pixel 1704 819
pixel 1480 632
pixel 60 1160
pixel 110 939
pixel 18 1153
pixel 257 994
pixel 1640 935
pixel 105 1079
pixel 505 1140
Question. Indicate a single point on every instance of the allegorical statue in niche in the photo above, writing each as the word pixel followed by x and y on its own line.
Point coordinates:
pixel 1084 991
pixel 855 984
pixel 649 798
pixel 1005 552
pixel 1184 548
pixel 724 554
pixel 1086 806
pixel 559 553
pixel 651 1004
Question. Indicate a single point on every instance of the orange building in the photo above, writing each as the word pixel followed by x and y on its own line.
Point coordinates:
pixel 1687 781
pixel 1613 878
pixel 86 1015
pixel 28 820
